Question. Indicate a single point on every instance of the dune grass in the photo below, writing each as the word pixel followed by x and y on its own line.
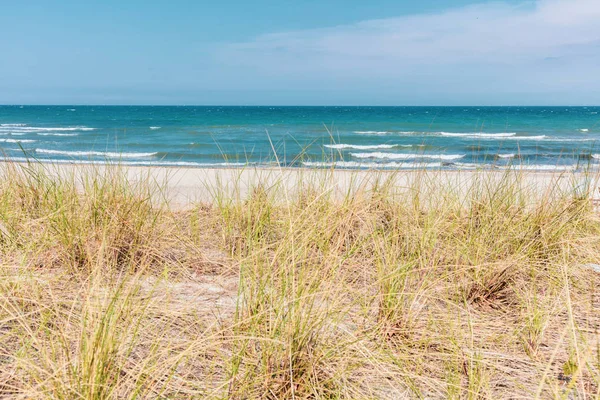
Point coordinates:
pixel 106 291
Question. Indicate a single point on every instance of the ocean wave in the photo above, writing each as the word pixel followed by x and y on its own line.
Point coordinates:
pixel 94 153
pixel 34 129
pixel 57 134
pixel 479 134
pixel 549 139
pixel 361 147
pixel 155 127
pixel 584 130
pixel 396 156
pixel 541 167
pixel 489 136
pixel 537 137
pixel 520 167
pixel 130 163
pixel 17 140
pixel 12 125
pixel 511 155
pixel 355 164
pixel 463 166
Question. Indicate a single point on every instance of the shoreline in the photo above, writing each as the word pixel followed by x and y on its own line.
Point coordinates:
pixel 570 168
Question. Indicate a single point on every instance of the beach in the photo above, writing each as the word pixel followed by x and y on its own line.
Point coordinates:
pixel 337 200
pixel 183 187
pixel 287 282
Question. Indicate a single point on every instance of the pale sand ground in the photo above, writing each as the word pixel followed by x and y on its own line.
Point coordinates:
pixel 184 186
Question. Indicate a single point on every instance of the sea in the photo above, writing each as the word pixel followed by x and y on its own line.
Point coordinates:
pixel 533 138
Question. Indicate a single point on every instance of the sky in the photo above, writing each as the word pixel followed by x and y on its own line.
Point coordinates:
pixel 309 52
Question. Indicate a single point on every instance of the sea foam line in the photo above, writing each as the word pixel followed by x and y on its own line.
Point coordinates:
pixel 33 129
pixel 58 134
pixel 154 128
pixel 362 147
pixel 17 140
pixel 395 156
pixel 129 163
pixel 95 153
pixel 479 134
pixel 355 164
pixel 522 167
pixel 498 136
pixel 540 167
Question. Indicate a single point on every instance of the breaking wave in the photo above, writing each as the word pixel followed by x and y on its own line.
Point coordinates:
pixel 479 134
pixel 134 163
pixel 396 156
pixel 17 140
pixel 57 134
pixel 94 153
pixel 355 164
pixel 362 147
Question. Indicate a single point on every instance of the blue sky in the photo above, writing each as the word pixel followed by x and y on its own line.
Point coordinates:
pixel 385 52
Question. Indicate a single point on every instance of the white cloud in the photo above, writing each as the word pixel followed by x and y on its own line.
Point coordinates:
pixel 548 45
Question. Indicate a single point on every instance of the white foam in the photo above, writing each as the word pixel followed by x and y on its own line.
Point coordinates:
pixel 541 167
pixel 17 140
pixel 372 132
pixel 155 127
pixel 58 134
pixel 94 153
pixel 13 125
pixel 584 130
pixel 510 155
pixel 479 134
pixel 396 156
pixel 521 167
pixel 355 164
pixel 467 166
pixel 33 129
pixel 569 140
pixel 596 156
pixel 360 147
pixel 131 163
pixel 489 136
pixel 538 137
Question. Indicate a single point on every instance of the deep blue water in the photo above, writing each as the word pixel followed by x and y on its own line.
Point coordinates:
pixel 540 138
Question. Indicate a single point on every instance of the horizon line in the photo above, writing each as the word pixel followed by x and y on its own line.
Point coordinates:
pixel 286 105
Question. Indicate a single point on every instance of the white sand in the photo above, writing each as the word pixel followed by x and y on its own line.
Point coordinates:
pixel 183 186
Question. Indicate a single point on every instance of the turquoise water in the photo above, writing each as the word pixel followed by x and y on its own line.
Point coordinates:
pixel 540 138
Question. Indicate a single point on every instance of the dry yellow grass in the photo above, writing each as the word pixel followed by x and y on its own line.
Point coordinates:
pixel 107 293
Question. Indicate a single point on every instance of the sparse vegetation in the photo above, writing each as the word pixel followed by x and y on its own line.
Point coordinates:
pixel 106 291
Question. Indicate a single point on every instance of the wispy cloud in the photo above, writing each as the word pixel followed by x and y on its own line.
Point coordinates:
pixel 542 46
